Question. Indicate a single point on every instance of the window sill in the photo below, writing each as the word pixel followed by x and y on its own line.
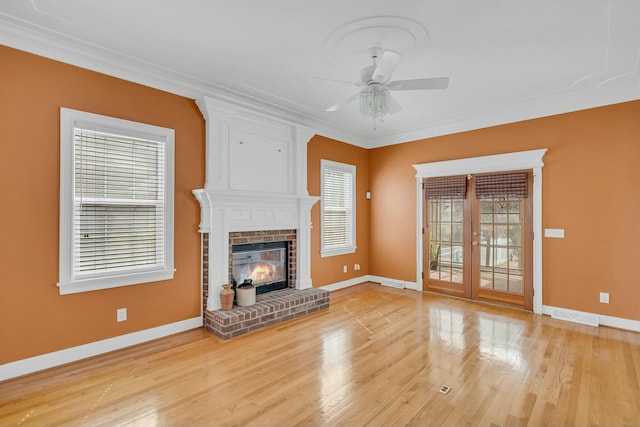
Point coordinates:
pixel 94 284
pixel 336 252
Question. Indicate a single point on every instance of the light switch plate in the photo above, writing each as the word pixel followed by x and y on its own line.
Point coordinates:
pixel 557 233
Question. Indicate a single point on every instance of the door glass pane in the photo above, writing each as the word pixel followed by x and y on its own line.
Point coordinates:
pixel 445 210
pixel 501 235
pixel 515 281
pixel 486 256
pixel 458 211
pixel 486 206
pixel 515 258
pixel 457 232
pixel 445 231
pixel 515 235
pixel 457 256
pixel 486 278
pixel 446 236
pixel 501 239
pixel 500 279
pixel 486 233
pixel 501 258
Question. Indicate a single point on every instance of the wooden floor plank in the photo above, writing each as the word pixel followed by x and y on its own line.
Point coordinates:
pixel 377 356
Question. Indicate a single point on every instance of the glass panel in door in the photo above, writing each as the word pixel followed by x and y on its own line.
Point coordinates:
pixel 501 241
pixel 445 245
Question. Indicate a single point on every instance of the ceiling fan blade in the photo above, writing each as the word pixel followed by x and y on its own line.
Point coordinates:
pixel 394 107
pixel 337 81
pixel 420 84
pixel 341 104
pixel 385 66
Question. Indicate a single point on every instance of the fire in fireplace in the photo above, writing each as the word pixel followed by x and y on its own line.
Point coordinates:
pixel 265 264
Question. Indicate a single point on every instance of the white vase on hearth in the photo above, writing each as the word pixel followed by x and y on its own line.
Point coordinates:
pixel 246 296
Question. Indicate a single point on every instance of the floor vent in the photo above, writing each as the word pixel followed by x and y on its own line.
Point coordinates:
pixel 393 284
pixel 575 317
pixel 445 389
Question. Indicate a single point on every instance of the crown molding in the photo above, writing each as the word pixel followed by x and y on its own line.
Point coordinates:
pixel 511 113
pixel 34 39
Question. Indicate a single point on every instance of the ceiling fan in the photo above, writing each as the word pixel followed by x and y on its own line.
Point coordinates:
pixel 375 98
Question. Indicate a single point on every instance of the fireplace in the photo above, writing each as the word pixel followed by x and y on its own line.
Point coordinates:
pixel 265 264
pixel 255 192
pixel 256 184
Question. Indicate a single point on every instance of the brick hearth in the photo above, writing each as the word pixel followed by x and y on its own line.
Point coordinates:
pixel 270 308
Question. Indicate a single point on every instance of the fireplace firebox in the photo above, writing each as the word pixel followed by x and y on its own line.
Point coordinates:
pixel 265 264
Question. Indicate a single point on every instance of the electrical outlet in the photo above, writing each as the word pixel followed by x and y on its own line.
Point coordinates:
pixel 344 269
pixel 604 297
pixel 356 267
pixel 121 314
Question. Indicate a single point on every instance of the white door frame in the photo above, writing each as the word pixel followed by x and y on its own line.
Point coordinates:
pixel 496 163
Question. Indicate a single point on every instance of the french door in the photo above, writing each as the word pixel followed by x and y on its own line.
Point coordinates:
pixel 478 237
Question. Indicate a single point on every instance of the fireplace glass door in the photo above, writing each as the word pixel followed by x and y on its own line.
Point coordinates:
pixel 265 264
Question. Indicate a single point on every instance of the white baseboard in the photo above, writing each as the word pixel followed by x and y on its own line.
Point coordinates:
pixel 393 283
pixel 384 281
pixel 574 316
pixel 57 358
pixel 346 283
pixel 591 319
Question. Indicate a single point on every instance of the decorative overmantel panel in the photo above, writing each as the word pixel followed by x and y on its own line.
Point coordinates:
pixel 256 179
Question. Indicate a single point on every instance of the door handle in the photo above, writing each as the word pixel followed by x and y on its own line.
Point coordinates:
pixel 474 243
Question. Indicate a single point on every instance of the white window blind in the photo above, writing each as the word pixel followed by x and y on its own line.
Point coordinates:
pixel 338 208
pixel 116 202
pixel 119 202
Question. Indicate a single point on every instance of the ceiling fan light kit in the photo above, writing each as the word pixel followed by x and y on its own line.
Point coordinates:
pixel 375 96
pixel 375 102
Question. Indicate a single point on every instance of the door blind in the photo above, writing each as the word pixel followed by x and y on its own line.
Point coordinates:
pixel 509 185
pixel 445 187
pixel 118 202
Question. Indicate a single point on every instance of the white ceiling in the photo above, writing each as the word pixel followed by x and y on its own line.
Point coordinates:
pixel 507 60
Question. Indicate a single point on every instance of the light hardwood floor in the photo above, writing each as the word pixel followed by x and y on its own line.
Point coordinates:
pixel 377 357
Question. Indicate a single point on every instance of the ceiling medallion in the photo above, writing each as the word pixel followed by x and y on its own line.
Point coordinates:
pixel 395 33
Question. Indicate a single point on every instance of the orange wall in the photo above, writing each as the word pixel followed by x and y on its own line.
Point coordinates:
pixel 590 188
pixel 34 318
pixel 328 270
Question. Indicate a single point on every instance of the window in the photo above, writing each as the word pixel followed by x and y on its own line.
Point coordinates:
pixel 116 202
pixel 338 216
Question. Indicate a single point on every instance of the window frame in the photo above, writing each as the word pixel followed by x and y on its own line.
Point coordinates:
pixel 349 248
pixel 70 281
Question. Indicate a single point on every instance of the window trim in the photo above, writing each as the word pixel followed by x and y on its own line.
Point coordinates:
pixel 70 283
pixel 343 167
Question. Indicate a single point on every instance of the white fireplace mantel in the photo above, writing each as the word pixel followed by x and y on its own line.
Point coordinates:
pixel 256 179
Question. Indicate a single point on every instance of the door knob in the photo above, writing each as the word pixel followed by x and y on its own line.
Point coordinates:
pixel 474 243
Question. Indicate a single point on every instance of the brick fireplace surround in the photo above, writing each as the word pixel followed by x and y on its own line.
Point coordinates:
pixel 270 308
